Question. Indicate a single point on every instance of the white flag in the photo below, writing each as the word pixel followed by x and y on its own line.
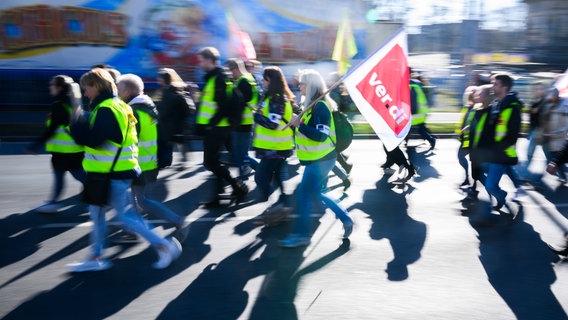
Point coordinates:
pixel 380 88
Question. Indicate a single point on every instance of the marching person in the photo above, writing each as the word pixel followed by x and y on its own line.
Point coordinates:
pixel 495 137
pixel 535 131
pixel 554 122
pixel 108 133
pixel 131 90
pixel 273 144
pixel 66 155
pixel 246 99
pixel 315 148
pixel 419 108
pixel 213 123
pixel 174 108
pixel 467 114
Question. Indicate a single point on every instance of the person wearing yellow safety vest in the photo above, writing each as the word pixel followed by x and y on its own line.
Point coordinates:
pixel 131 90
pixel 467 114
pixel 315 148
pixel 272 143
pixel 494 137
pixel 419 108
pixel 213 123
pixel 482 97
pixel 108 132
pixel 66 154
pixel 245 100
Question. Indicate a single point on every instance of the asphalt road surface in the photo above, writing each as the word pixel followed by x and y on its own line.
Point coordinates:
pixel 416 251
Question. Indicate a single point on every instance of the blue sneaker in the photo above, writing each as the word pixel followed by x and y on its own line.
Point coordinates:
pixel 348 227
pixel 89 265
pixel 294 241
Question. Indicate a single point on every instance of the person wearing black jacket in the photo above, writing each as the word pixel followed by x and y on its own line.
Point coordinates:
pixel 495 136
pixel 174 108
pixel 65 154
pixel 213 123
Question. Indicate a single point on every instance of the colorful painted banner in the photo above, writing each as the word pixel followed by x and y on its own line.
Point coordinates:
pixel 141 36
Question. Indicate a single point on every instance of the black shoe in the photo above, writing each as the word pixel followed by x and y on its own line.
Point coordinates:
pixel 499 206
pixel 348 167
pixel 411 172
pixel 346 184
pixel 432 145
pixel 387 165
pixel 560 252
pixel 240 191
pixel 213 203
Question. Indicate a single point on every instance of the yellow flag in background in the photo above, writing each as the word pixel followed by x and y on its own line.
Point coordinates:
pixel 345 47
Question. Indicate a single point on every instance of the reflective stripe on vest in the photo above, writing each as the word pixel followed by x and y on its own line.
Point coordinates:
pixel 422 112
pixel 274 139
pixel 100 159
pixel 248 118
pixel 61 140
pixel 208 106
pixel 310 150
pixel 500 131
pixel 147 142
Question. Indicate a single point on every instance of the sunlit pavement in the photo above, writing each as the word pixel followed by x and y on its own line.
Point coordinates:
pixel 416 251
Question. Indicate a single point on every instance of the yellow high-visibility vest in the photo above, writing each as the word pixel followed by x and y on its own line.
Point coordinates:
pixel 208 106
pixel 310 150
pixel 100 159
pixel 274 139
pixel 61 141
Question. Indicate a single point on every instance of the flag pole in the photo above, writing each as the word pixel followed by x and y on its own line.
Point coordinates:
pixel 308 108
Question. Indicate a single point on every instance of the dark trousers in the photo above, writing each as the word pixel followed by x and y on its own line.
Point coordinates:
pixel 213 141
pixel 397 157
pixel 425 133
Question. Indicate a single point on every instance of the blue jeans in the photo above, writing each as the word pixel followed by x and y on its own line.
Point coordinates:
pixel 309 190
pixel 154 207
pixel 267 170
pixel 462 160
pixel 121 201
pixel 493 173
pixel 240 145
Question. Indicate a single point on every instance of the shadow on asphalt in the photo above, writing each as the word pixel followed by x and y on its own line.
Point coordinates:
pixel 19 230
pixel 392 222
pixel 519 265
pixel 420 158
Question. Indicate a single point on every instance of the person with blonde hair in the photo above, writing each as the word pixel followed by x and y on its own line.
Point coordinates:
pixel 109 136
pixel 315 148
pixel 463 131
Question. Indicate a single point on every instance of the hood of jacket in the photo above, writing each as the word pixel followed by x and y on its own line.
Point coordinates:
pixel 145 104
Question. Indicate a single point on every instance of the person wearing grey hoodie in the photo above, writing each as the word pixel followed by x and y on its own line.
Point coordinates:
pixel 131 91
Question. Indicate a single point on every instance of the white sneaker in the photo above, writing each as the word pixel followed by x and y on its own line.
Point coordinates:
pixel 50 207
pixel 168 255
pixel 89 265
